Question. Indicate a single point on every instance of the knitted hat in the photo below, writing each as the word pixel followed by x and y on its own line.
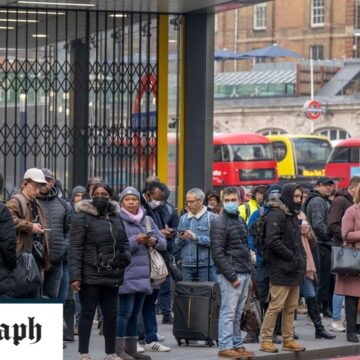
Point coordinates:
pixel 129 191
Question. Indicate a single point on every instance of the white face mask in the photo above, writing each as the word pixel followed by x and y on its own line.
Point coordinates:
pixel 154 203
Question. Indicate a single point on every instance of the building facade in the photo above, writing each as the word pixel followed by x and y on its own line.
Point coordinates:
pixel 321 29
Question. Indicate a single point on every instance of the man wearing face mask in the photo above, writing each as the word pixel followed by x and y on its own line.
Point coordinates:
pixel 230 252
pixel 286 257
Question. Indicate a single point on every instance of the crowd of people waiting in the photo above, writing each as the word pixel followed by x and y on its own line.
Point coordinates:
pixel 94 247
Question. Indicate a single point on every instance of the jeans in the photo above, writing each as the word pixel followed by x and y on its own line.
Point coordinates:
pixel 262 282
pixel 77 307
pixel 232 306
pixel 64 283
pixel 90 297
pixel 307 289
pixel 130 306
pixel 165 299
pixel 52 281
pixel 190 274
pixel 337 304
pixel 149 316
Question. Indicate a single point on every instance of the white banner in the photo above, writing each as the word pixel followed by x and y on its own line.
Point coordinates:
pixel 31 331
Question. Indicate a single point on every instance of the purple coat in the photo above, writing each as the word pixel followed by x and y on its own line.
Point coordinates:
pixel 137 274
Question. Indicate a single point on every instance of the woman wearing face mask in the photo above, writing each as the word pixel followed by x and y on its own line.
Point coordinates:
pixel 98 257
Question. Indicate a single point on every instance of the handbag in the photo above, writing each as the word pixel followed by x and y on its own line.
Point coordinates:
pixel 158 269
pixel 345 260
pixel 26 274
pixel 251 317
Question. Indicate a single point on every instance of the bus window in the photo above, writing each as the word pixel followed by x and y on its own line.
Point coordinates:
pixel 340 155
pixel 221 153
pixel 217 153
pixel 311 151
pixel 280 150
pixel 355 158
pixel 250 152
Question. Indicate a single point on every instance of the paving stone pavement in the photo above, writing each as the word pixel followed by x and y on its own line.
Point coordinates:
pixel 315 348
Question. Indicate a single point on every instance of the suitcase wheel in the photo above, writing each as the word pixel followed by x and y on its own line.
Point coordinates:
pixel 178 341
pixel 187 342
pixel 209 343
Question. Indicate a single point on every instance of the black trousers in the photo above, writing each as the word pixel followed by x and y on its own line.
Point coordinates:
pixel 324 272
pixel 107 298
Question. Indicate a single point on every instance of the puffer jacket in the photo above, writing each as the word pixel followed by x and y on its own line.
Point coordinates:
pixel 7 251
pixel 98 246
pixel 56 213
pixel 283 246
pixel 229 245
pixel 137 274
pixel 200 226
pixel 316 210
pixel 342 201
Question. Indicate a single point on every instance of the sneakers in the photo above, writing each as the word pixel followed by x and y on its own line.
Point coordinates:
pixel 243 353
pixel 139 348
pixel 337 326
pixel 155 346
pixel 160 338
pixel 112 357
pixel 84 357
pixel 268 346
pixel 230 353
pixel 167 320
pixel 292 345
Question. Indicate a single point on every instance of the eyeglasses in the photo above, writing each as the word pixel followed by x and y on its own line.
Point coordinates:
pixel 35 185
pixel 192 201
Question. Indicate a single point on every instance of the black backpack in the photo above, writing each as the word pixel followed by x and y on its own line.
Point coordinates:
pixel 258 230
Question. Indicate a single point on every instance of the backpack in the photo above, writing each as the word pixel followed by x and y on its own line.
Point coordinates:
pixel 258 230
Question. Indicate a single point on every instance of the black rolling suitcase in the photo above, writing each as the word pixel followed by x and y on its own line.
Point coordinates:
pixel 196 310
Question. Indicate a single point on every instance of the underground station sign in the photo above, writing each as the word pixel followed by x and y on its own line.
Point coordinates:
pixel 312 109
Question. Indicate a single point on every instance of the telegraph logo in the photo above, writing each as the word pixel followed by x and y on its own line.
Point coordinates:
pixel 21 332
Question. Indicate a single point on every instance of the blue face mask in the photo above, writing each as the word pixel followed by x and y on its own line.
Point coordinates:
pixel 231 207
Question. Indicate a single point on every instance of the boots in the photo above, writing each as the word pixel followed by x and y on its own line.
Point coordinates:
pixel 251 337
pixel 350 316
pixel 314 314
pixel 120 349
pixel 131 349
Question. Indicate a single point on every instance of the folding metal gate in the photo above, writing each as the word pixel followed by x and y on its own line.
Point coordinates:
pixel 78 95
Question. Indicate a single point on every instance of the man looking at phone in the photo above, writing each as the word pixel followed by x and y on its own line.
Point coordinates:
pixel 193 239
pixel 230 251
pixel 29 219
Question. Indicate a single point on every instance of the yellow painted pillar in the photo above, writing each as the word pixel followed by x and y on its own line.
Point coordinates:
pixel 162 91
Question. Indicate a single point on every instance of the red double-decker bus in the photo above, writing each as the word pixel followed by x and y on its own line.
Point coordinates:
pixel 243 159
pixel 344 162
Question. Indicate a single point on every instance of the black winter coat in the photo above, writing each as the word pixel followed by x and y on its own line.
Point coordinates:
pixel 283 246
pixel 316 210
pixel 98 246
pixel 7 251
pixel 56 213
pixel 229 245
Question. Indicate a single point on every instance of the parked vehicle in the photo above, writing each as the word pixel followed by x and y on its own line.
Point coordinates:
pixel 243 159
pixel 344 161
pixel 300 158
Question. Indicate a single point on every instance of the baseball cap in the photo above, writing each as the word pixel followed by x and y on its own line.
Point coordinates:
pixel 324 180
pixel 48 173
pixel 35 175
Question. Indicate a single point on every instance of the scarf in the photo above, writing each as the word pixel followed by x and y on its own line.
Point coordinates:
pixel 138 217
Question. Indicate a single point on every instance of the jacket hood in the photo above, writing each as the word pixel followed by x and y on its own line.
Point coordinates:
pixel 209 194
pixel 311 194
pixel 87 207
pixel 287 196
pixel 50 195
pixel 345 194
pixel 278 204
